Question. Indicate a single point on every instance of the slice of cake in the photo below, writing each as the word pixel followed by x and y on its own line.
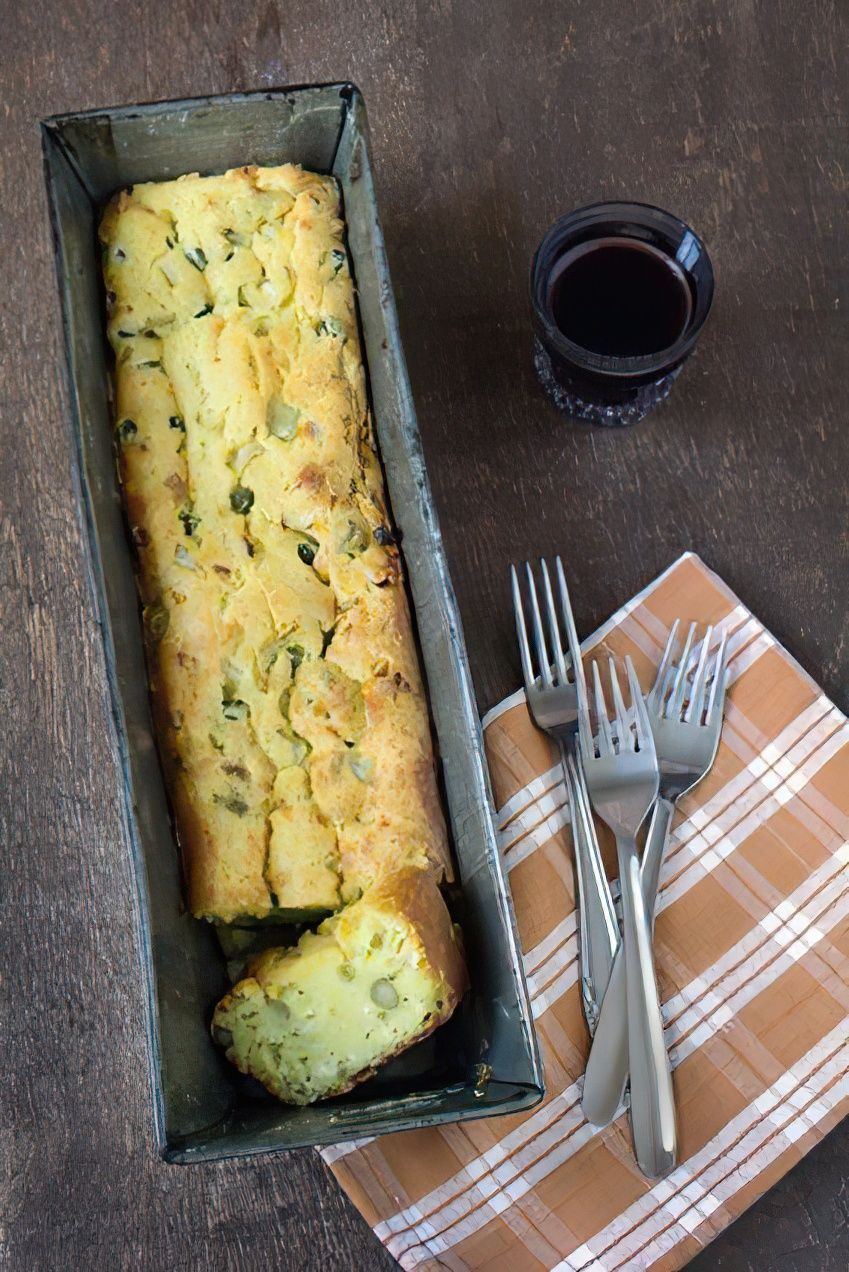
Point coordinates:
pixel 312 1021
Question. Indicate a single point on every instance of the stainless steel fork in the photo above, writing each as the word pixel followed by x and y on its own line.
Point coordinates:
pixel 620 765
pixel 686 722
pixel 553 702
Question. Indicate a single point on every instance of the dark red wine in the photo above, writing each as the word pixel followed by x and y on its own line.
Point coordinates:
pixel 619 297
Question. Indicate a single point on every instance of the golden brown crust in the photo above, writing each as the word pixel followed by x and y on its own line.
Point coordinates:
pixel 256 504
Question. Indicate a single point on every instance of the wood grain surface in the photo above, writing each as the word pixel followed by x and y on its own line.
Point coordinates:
pixel 488 120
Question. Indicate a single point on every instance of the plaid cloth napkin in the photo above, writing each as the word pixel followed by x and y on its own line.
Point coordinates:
pixel 752 949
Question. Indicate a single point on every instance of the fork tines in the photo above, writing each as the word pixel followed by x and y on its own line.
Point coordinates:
pixel 691 689
pixel 551 669
pixel 628 731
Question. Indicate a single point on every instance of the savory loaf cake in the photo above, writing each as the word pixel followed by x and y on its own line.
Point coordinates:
pixel 385 971
pixel 291 717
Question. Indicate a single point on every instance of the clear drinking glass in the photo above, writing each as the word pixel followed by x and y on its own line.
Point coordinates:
pixel 608 283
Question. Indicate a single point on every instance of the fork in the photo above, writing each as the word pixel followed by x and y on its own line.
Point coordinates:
pixel 620 766
pixel 686 722
pixel 553 702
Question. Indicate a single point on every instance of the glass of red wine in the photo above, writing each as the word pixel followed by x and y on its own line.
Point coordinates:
pixel 620 293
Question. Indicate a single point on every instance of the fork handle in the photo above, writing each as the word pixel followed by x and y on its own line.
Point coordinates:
pixel 652 1101
pixel 658 833
pixel 598 930
pixel 607 1067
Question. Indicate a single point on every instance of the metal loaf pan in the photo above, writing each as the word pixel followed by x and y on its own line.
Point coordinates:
pixel 203 1108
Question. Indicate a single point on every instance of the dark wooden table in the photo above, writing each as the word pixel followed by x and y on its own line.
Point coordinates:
pixel 488 120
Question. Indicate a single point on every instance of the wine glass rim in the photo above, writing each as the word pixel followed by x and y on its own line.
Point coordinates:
pixel 622 219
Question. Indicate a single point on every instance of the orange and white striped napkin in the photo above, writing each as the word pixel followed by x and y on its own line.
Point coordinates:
pixel 752 949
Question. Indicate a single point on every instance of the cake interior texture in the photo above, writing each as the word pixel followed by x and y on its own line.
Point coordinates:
pixel 312 1021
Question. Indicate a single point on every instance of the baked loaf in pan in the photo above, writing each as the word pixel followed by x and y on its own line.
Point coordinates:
pixel 292 722
pixel 291 717
pixel 311 1022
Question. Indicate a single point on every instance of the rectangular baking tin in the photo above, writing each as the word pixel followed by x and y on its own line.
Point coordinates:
pixel 203 1108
